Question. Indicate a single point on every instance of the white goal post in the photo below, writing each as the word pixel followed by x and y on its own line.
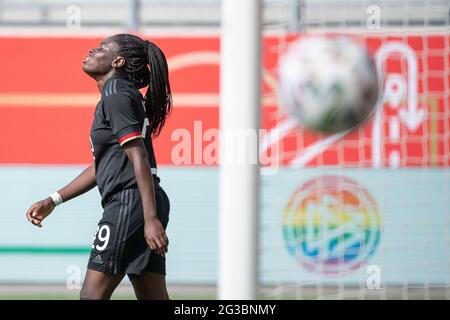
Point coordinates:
pixel 240 99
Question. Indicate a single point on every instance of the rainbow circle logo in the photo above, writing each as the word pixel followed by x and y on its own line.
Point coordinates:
pixel 331 225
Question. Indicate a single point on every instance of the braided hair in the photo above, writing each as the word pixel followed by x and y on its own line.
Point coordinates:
pixel 146 65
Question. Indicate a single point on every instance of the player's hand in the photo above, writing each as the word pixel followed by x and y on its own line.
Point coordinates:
pixel 39 211
pixel 156 237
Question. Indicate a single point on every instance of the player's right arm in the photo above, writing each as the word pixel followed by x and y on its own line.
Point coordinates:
pixel 84 182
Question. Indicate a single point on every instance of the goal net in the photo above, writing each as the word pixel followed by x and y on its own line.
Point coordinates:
pixel 365 214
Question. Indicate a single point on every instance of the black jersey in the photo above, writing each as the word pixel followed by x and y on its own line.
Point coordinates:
pixel 119 117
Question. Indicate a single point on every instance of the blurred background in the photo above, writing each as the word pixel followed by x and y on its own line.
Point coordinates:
pixel 401 229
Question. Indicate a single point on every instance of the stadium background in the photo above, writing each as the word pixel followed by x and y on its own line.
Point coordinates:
pixel 46 107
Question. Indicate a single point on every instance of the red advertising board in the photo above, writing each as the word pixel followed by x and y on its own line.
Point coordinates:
pixel 47 104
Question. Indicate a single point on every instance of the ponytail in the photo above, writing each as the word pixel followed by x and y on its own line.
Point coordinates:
pixel 158 98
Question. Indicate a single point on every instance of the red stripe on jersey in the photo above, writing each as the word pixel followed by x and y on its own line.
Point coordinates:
pixel 128 136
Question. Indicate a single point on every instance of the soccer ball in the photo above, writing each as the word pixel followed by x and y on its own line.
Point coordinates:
pixel 328 83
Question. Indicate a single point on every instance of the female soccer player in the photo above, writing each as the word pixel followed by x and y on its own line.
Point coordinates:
pixel 131 236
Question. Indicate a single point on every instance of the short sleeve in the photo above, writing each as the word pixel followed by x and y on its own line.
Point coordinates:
pixel 123 117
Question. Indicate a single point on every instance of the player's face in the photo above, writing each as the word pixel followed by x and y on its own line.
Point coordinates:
pixel 99 60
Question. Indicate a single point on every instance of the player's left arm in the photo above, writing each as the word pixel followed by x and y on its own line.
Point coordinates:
pixel 154 231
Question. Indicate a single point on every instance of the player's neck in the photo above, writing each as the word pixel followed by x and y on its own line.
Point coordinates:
pixel 102 80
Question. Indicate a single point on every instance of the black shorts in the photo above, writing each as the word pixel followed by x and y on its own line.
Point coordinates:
pixel 119 246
